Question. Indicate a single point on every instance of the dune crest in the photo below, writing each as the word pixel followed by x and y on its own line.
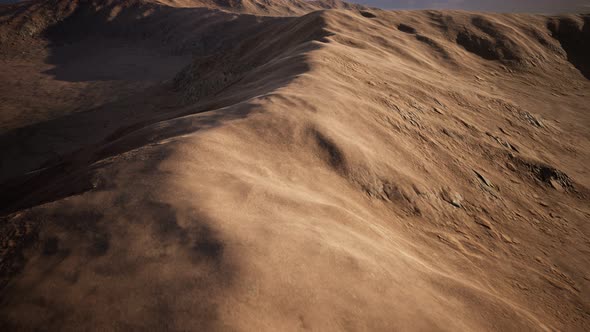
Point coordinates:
pixel 340 169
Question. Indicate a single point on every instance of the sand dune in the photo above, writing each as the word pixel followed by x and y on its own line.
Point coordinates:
pixel 181 166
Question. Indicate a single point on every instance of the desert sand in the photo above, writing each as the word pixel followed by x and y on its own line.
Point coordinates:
pixel 289 165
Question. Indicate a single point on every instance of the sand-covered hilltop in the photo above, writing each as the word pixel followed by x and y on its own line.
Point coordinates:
pixel 182 166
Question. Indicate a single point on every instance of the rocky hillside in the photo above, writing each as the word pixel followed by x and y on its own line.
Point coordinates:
pixel 176 168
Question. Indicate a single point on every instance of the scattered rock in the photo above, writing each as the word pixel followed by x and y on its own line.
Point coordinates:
pixel 419 189
pixel 508 239
pixel 406 28
pixel 367 14
pixel 502 142
pixel 555 184
pixel 546 174
pixel 535 121
pixel 483 179
pixel 452 198
pixel 483 222
pixel 515 181
pixel 510 146
pixel 555 178
pixel 437 110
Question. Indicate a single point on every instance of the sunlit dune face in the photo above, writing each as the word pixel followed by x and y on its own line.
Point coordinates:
pixel 542 6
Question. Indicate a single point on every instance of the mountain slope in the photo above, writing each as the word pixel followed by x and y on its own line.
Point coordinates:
pixel 264 7
pixel 361 170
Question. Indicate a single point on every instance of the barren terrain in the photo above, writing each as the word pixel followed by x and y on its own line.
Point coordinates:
pixel 291 165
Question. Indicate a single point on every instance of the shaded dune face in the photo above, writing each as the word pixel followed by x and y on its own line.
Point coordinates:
pixel 573 33
pixel 338 170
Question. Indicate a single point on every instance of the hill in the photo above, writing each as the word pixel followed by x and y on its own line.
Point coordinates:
pixel 173 167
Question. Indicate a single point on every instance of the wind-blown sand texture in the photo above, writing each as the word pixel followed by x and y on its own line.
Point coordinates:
pixel 215 165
